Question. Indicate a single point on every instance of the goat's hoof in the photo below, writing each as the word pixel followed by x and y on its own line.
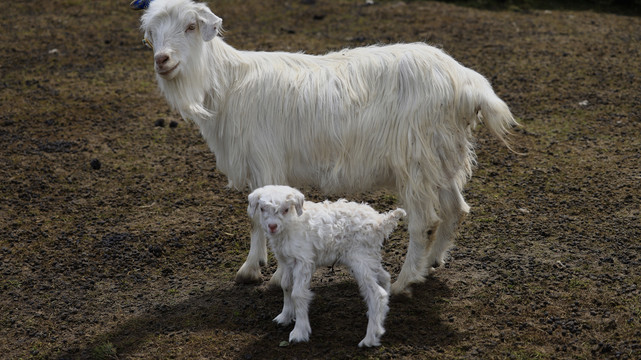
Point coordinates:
pixel 297 336
pixel 402 291
pixel 274 284
pixel 248 277
pixel 242 279
pixel 283 319
pixel 369 342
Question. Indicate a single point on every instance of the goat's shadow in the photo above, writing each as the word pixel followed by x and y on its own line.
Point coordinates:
pixel 337 315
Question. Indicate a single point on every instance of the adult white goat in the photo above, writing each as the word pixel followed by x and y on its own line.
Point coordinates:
pixel 396 117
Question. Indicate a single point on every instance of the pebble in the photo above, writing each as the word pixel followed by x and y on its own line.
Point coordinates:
pixel 95 164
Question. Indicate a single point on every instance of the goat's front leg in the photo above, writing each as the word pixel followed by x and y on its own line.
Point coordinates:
pixel 301 297
pixel 288 314
pixel 250 271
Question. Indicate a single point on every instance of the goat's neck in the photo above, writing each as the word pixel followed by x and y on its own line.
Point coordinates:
pixel 198 92
pixel 222 65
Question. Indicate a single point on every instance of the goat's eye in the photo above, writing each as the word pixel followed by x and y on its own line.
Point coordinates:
pixel 285 211
pixel 191 27
pixel 262 209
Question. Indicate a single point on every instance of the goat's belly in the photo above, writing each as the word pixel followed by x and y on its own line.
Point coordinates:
pixel 347 176
pixel 326 259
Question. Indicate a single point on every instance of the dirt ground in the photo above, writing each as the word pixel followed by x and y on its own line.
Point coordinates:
pixel 119 240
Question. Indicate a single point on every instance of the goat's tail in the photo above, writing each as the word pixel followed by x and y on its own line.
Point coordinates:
pixel 391 220
pixel 490 109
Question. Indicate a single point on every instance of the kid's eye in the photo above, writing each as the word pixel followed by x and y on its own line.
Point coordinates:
pixel 262 209
pixel 285 211
pixel 191 27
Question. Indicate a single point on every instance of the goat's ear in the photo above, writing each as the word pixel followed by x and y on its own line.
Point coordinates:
pixel 298 200
pixel 253 199
pixel 208 23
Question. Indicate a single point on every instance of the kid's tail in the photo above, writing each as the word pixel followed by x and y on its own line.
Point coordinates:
pixel 391 220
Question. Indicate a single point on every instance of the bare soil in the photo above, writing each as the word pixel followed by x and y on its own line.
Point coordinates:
pixel 119 239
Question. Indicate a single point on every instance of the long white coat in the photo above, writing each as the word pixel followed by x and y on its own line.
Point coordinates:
pixel 396 117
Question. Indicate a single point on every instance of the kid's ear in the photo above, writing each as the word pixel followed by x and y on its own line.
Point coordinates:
pixel 209 23
pixel 254 200
pixel 298 200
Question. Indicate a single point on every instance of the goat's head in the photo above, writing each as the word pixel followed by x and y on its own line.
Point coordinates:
pixel 176 30
pixel 273 204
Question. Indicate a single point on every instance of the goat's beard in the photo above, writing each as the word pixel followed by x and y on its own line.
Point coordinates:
pixel 188 90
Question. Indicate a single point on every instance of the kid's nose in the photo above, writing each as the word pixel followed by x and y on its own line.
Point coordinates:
pixel 272 227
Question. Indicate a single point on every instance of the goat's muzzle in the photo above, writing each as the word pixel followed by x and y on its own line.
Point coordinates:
pixel 161 59
pixel 164 66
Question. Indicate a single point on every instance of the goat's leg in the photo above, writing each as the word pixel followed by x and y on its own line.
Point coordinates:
pixel 257 257
pixel 453 211
pixel 275 281
pixel 375 296
pixel 288 314
pixel 383 278
pixel 301 297
pixel 422 227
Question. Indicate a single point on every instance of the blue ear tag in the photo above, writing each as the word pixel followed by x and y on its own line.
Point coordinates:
pixel 147 43
pixel 139 4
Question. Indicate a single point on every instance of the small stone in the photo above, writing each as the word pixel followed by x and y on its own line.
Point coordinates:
pixel 173 124
pixel 95 164
pixel 284 344
pixel 155 250
pixel 160 123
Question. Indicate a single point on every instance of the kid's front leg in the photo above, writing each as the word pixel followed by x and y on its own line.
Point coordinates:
pixel 288 313
pixel 301 297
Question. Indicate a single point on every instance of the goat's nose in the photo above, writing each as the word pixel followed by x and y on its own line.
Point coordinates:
pixel 161 59
pixel 272 227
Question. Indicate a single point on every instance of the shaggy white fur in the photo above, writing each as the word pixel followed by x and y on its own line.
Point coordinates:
pixel 396 117
pixel 323 234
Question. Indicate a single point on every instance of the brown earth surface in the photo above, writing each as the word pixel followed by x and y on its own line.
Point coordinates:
pixel 119 240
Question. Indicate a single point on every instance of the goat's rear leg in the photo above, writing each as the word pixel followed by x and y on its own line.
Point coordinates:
pixel 430 238
pixel 453 211
pixel 250 271
pixel 415 268
pixel 368 273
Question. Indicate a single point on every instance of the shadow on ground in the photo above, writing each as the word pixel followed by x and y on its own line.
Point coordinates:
pixel 249 309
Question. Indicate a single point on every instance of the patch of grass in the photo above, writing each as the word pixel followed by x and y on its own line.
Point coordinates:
pixel 11 284
pixel 522 354
pixel 104 351
pixel 579 284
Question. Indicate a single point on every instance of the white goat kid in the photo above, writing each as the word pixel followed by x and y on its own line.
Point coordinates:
pixel 323 234
pixel 397 117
